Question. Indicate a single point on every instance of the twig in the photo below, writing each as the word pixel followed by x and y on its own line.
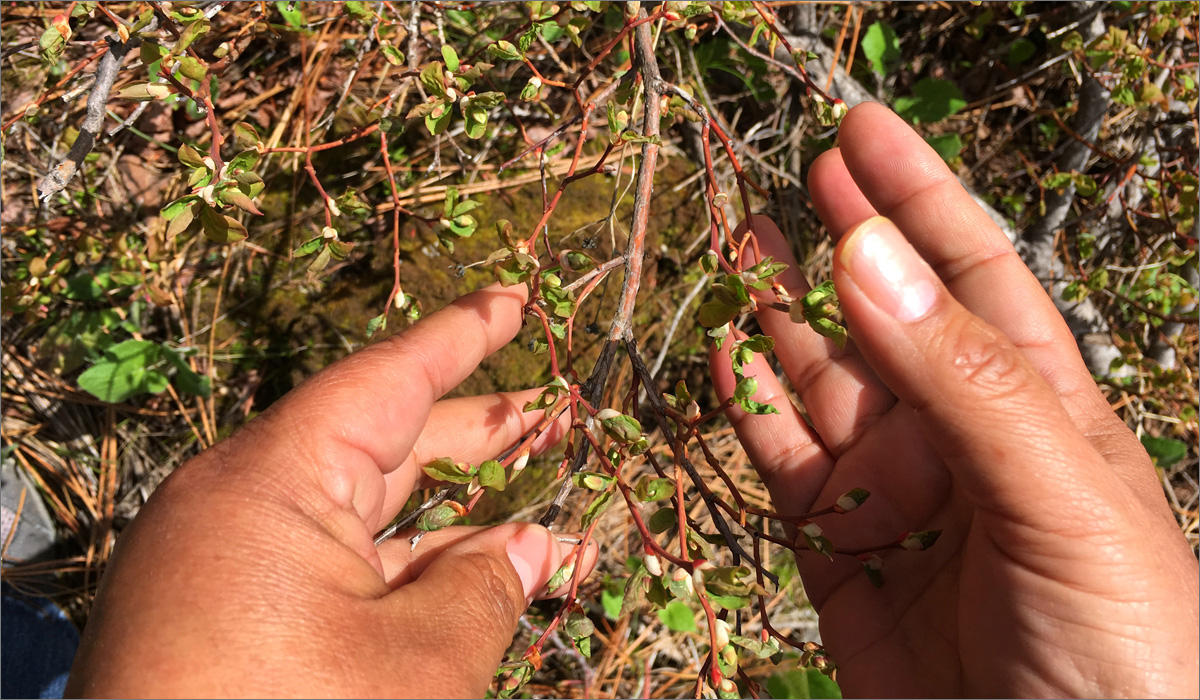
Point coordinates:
pixel 635 251
pixel 106 72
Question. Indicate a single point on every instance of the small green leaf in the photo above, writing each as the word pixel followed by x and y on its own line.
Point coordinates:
pixel 714 314
pixel 948 146
pixel 595 508
pixel 189 156
pixel 220 228
pixel 592 481
pixel 620 427
pixel 376 324
pixel 932 100
pixel 446 469
pixel 649 490
pixel 290 11
pixel 436 518
pixel 678 617
pixel 125 370
pixel 431 78
pixel 1164 451
pixel 560 577
pixel 802 683
pixel 451 57
pixel 663 519
pixel 504 50
pixel 881 46
pixel 492 475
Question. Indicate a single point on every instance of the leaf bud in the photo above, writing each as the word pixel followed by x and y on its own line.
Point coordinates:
pixel 653 565
pixel 812 530
pixel 721 633
pixel 850 500
pixel 684 581
pixel 919 541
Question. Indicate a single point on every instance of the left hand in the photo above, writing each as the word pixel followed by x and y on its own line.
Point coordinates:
pixel 252 570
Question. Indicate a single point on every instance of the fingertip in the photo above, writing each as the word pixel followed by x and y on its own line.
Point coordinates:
pixel 583 556
pixel 835 195
pixel 535 555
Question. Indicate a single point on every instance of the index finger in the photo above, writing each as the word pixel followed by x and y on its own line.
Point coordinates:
pixel 357 420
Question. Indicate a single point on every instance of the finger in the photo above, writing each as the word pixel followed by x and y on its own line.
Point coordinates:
pixel 471 595
pixel 784 450
pixel 835 194
pixel 840 392
pixel 905 180
pixel 403 563
pixel 998 425
pixel 359 418
pixel 469 429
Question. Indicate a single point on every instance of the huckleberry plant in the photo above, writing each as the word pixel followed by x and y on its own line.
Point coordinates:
pixel 304 151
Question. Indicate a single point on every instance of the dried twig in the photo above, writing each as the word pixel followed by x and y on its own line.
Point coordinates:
pixel 106 73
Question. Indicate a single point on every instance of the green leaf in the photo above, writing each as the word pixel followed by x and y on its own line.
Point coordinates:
pixel 438 118
pixel 190 156
pixel 678 617
pixel 220 228
pixel 1019 52
pixel 663 519
pixel 126 370
pixel 246 160
pixel 376 324
pixel 1164 451
pixel 290 11
pixel 504 50
pixel 391 53
pixel 445 469
pixel 451 57
pixel 245 136
pixel 649 490
pixel 802 683
pixel 594 509
pixel 714 314
pixel 592 481
pixel 932 100
pixel 948 146
pixel 728 602
pixel 436 518
pixel 610 600
pixel 560 577
pixel 881 46
pixel 620 427
pixel 745 389
pixel 185 379
pixel 431 78
pixel 492 475
pixel 193 68
pixel 197 26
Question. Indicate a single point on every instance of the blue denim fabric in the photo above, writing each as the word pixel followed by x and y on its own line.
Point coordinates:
pixel 39 644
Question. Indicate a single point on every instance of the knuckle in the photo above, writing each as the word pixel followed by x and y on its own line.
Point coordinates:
pixel 985 362
pixel 488 587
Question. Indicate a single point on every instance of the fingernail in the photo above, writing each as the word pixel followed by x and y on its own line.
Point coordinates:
pixel 888 269
pixel 534 554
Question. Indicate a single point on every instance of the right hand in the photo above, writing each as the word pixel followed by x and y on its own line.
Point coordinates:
pixel 962 404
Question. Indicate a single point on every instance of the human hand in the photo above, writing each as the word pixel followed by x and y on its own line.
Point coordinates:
pixel 252 570
pixel 961 404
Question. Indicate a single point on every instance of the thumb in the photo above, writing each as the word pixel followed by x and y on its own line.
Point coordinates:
pixel 996 423
pixel 473 593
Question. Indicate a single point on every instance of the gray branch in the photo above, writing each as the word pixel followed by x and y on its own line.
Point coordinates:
pixel 56 180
